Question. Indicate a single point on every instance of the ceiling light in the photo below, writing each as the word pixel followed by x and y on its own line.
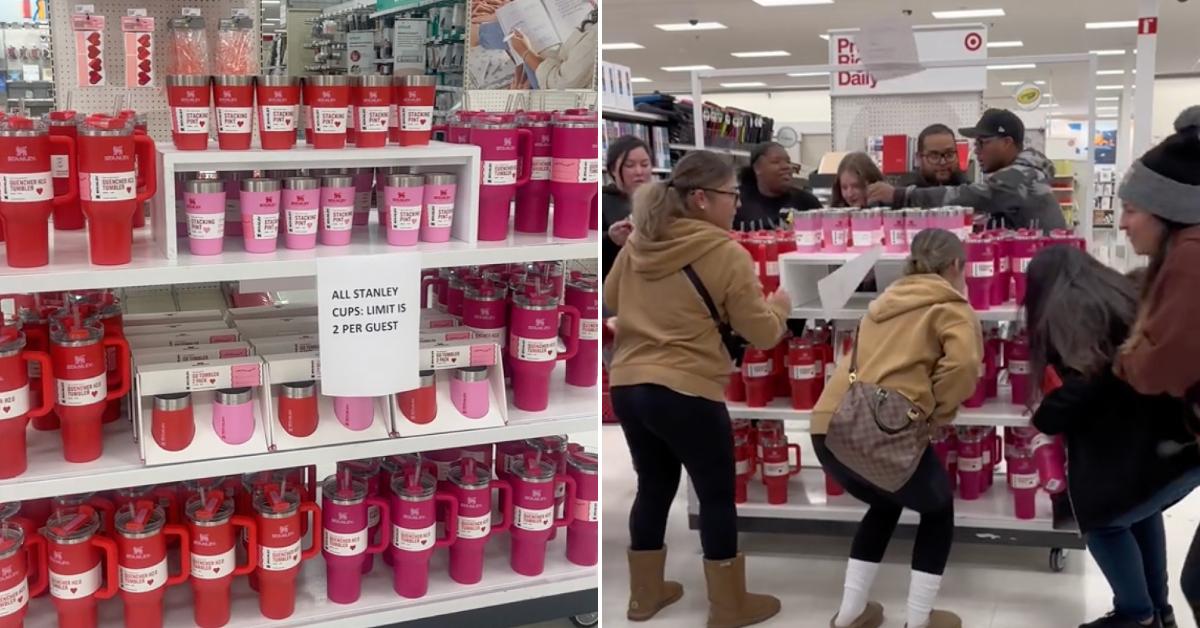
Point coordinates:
pixel 824 36
pixel 628 45
pixel 1107 115
pixel 967 14
pixel 807 74
pixel 745 84
pixel 791 3
pixel 640 79
pixel 1109 72
pixel 1016 83
pixel 688 26
pixel 1093 26
pixel 1005 44
pixel 1110 87
pixel 686 68
pixel 1114 52
pixel 269 2
pixel 1108 99
pixel 1108 108
pixel 1049 105
pixel 1013 66
pixel 755 54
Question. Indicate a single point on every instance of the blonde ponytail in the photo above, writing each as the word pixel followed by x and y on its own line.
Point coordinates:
pixel 933 251
pixel 657 205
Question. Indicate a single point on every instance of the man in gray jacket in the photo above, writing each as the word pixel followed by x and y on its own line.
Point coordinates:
pixel 1015 191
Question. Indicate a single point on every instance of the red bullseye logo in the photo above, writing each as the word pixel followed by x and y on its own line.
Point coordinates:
pixel 973 41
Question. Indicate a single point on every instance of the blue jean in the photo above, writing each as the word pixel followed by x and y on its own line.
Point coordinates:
pixel 1131 550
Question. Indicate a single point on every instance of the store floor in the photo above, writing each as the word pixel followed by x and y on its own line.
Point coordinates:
pixel 990 587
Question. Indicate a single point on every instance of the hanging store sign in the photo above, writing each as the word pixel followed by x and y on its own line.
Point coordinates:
pixel 934 43
pixel 1028 96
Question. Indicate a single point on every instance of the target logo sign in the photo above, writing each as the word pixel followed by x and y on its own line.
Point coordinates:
pixel 973 41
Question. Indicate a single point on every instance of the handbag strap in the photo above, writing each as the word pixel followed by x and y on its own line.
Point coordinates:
pixel 854 354
pixel 690 273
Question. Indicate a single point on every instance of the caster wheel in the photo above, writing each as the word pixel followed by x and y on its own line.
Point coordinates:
pixel 1058 559
pixel 586 620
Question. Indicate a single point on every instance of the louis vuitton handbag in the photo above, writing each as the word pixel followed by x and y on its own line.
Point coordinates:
pixel 877 433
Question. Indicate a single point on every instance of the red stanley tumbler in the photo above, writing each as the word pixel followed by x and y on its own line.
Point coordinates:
pixel 414 498
pixel 190 99
pixel 372 99
pixel 757 367
pixel 75 549
pixel 21 554
pixel 278 100
pixel 77 357
pixel 234 96
pixel 211 527
pixel 279 511
pixel 67 215
pixel 472 486
pixel 414 95
pixel 777 468
pixel 141 536
pixel 108 184
pixel 805 373
pixel 27 195
pixel 328 100
pixel 15 410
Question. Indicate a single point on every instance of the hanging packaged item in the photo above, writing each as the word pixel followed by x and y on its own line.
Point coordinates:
pixel 236 53
pixel 139 50
pixel 89 49
pixel 188 52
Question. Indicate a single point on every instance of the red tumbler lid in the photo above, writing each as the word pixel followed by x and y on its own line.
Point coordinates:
pixel 63 116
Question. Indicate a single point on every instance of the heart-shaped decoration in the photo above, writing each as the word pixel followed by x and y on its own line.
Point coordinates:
pixel 423 120
pixel 201 123
pixel 337 123
pixel 144 40
pixel 241 122
pixel 150 581
pixel 353 546
pixel 95 392
pixel 74 589
pixel 206 229
pixel 6 408
pixel 143 53
pixel 21 599
pixel 212 380
pixel 128 189
pixel 216 570
pixel 143 78
pixel 144 65
pixel 94 77
pixel 38 190
pixel 95 64
pixel 93 52
pixel 94 39
pixel 424 541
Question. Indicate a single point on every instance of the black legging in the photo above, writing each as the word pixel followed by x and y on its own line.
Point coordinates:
pixel 927 492
pixel 665 429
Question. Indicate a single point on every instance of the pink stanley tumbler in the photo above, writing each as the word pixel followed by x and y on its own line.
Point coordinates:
pixel 414 528
pixel 574 173
pixel 583 541
pixel 204 204
pixel 583 293
pixel 472 486
pixel 1024 481
pixel 301 199
pixel 507 154
pixel 533 198
pixel 533 491
pixel 344 504
pixel 337 209
pixel 970 462
pixel 981 271
pixel 260 214
pixel 533 346
pixel 403 201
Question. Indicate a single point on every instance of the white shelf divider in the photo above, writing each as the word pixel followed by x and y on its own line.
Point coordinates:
pixel 994 412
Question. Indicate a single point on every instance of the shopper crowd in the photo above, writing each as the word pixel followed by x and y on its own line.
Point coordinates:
pixel 1116 355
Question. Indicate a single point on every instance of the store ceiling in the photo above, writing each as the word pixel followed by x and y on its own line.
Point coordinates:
pixel 1044 26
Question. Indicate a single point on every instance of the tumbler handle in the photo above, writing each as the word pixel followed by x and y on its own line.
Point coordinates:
pixel 571 339
pixel 506 506
pixel 143 147
pixel 251 528
pixel 111 582
pixel 315 547
pixel 385 525
pixel 72 194
pixel 451 520
pixel 35 554
pixel 49 394
pixel 525 156
pixel 185 553
pixel 122 347
pixel 425 283
pixel 796 469
pixel 568 502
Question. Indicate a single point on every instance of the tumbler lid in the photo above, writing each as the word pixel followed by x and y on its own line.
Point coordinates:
pixel 234 396
pixel 140 519
pixel 8 510
pixel 328 80
pixel 548 444
pixel 365 468
pixel 575 118
pixel 337 181
pixel 301 183
pixel 233 80
pixel 354 492
pixel 393 464
pixel 468 473
pixel 375 80
pixel 427 378
pixel 173 401
pixel 101 125
pixel 12 341
pixel 418 80
pixel 214 509
pixel 21 126
pixel 260 184
pixel 188 80
pixel 405 181
pixel 584 462
pixel 535 118
pixel 585 283
pixel 471 373
pixel 486 291
pixel 440 178
pixel 299 390
pixel 67 334
pixel 203 186
pixel 272 504
pixel 72 525
pixel 278 80
pixel 12 538
pixel 539 302
pixel 532 468
pixel 63 118
pixel 410 483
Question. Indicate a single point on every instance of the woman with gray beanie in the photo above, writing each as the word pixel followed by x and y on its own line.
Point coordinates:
pixel 1161 216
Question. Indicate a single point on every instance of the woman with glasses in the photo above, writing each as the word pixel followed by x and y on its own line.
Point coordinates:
pixel 677 288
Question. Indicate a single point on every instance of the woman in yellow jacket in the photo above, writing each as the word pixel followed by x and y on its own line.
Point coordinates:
pixel 919 339
pixel 669 371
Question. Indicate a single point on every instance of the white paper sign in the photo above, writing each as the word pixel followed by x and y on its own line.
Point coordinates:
pixel 408 45
pixel 369 312
pixel 837 287
pixel 888 48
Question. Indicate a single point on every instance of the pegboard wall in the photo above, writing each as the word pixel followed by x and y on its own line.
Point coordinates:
pixel 151 100
pixel 855 118
pixel 535 100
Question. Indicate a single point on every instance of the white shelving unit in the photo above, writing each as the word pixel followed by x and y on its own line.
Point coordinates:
pixel 995 413
pixel 724 151
pixel 633 116
pixel 856 307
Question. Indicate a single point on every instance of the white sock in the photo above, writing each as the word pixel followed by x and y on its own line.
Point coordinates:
pixel 859 576
pixel 922 591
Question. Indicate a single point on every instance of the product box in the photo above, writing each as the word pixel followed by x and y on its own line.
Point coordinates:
pixel 304 367
pixel 184 338
pixel 285 344
pixel 446 335
pixel 434 319
pixel 447 393
pixel 471 352
pixel 155 318
pixel 267 327
pixel 201 380
pixel 166 328
pixel 284 310
pixel 192 353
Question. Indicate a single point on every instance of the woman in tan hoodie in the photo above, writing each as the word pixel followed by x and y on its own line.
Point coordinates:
pixel 668 377
pixel 919 339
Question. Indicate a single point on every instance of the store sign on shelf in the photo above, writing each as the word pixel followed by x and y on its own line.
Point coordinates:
pixel 933 44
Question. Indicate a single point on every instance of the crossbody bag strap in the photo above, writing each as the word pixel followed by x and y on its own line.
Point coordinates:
pixel 690 273
pixel 854 354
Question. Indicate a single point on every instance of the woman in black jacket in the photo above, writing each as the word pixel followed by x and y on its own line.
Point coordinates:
pixel 768 195
pixel 628 165
pixel 1130 456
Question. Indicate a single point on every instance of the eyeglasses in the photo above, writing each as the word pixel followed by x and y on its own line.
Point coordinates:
pixel 736 194
pixel 946 157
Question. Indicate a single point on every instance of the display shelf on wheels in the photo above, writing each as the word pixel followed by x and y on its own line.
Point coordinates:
pixel 814 505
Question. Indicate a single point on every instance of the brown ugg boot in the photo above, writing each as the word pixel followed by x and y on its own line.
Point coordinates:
pixel 871 617
pixel 943 619
pixel 729 605
pixel 648 592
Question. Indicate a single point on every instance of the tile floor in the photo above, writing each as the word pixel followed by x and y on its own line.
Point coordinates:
pixel 988 587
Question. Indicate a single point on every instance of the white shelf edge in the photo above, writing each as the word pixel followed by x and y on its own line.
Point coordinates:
pixel 634 116
pixel 857 307
pixel 992 413
pixel 724 151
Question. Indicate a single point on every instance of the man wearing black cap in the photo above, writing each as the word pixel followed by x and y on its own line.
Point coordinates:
pixel 1015 191
pixel 768 195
